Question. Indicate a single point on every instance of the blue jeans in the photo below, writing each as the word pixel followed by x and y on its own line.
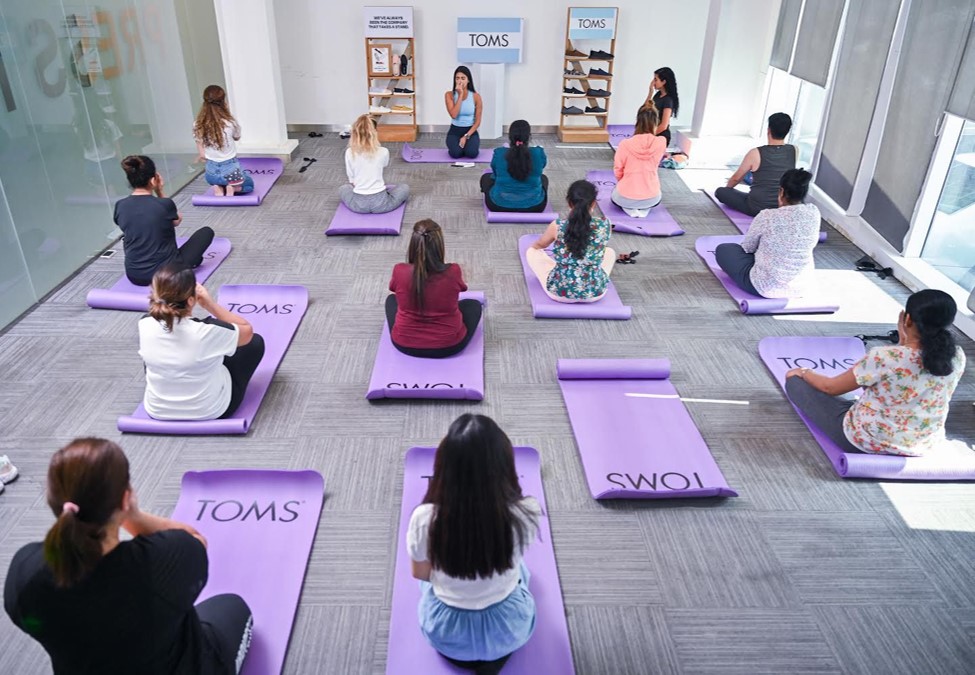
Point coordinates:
pixel 228 172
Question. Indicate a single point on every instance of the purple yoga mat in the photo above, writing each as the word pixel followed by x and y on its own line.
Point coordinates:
pixel 264 170
pixel 259 527
pixel 127 296
pixel 619 132
pixel 755 304
pixel 635 437
pixel 396 375
pixel 658 223
pixel 275 313
pixel 548 650
pixel 544 217
pixel 740 220
pixel 440 156
pixel 543 307
pixel 348 222
pixel 831 356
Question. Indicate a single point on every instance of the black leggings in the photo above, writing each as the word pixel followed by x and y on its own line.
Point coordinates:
pixel 226 621
pixel 736 199
pixel 470 310
pixel 242 365
pixel 487 182
pixel 482 667
pixel 737 264
pixel 190 254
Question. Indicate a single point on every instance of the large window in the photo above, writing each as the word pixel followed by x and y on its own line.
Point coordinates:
pixel 803 102
pixel 950 244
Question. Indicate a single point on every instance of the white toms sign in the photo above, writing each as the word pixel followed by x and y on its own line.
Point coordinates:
pixel 391 22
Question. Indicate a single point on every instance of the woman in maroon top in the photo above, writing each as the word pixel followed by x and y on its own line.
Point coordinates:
pixel 424 314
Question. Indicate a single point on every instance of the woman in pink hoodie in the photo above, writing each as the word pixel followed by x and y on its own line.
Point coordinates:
pixel 638 186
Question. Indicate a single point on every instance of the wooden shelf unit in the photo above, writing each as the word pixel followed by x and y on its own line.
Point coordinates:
pixel 586 133
pixel 393 131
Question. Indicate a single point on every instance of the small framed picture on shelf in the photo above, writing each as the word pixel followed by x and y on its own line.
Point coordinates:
pixel 380 60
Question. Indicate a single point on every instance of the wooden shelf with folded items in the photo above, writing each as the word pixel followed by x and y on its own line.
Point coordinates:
pixel 574 71
pixel 385 104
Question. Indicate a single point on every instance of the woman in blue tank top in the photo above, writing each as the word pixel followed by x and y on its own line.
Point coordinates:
pixel 464 107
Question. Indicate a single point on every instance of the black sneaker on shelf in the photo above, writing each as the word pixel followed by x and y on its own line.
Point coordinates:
pixel 600 55
pixel 595 110
pixel 572 110
pixel 598 72
pixel 597 93
pixel 402 90
pixel 572 91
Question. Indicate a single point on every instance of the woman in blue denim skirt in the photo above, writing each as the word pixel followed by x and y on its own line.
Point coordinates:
pixel 466 542
pixel 217 132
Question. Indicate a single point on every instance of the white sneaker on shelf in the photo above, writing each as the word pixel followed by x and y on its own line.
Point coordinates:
pixel 636 213
pixel 379 91
pixel 8 471
pixel 378 110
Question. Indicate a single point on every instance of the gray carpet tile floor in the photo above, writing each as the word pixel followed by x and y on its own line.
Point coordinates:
pixel 803 572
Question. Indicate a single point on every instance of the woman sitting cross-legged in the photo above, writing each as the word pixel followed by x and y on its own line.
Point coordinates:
pixel 579 267
pixel 366 191
pixel 466 542
pixel 98 604
pixel 636 163
pixel 906 388
pixel 775 259
pixel 195 369
pixel 425 317
pixel 516 181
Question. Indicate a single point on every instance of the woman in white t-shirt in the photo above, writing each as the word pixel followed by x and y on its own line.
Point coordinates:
pixel 216 133
pixel 466 542
pixel 366 191
pixel 195 369
pixel 906 388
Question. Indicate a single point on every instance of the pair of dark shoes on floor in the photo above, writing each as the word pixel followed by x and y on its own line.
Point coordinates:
pixel 627 258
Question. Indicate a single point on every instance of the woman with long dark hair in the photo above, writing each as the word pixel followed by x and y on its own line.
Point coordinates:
pixel 579 267
pixel 635 166
pixel 466 542
pixel 425 317
pixel 464 106
pixel 196 369
pixel 906 388
pixel 217 132
pixel 101 605
pixel 663 95
pixel 148 220
pixel 516 181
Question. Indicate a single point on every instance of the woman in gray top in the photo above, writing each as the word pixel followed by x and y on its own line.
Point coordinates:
pixel 766 165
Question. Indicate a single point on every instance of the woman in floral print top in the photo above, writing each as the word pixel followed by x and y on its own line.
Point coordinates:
pixel 906 388
pixel 579 268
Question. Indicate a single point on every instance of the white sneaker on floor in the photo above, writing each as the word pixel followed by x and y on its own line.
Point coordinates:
pixel 636 213
pixel 8 472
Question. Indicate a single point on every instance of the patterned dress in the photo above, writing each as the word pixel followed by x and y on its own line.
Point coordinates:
pixel 903 407
pixel 580 278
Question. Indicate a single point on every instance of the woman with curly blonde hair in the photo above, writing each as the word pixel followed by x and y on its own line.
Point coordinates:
pixel 365 159
pixel 217 132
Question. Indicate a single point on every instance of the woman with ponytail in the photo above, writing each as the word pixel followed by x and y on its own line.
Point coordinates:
pixel 101 605
pixel 196 369
pixel 424 313
pixel 579 268
pixel 148 219
pixel 516 182
pixel 635 166
pixel 217 132
pixel 906 388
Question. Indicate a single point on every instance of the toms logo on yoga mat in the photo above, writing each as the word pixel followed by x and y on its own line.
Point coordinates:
pixel 232 510
pixel 816 364
pixel 261 172
pixel 671 480
pixel 436 385
pixel 250 308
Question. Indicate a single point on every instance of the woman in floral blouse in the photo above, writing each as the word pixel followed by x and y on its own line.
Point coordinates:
pixel 578 269
pixel 906 388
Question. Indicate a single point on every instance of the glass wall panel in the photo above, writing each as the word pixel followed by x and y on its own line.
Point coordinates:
pixel 950 244
pixel 81 86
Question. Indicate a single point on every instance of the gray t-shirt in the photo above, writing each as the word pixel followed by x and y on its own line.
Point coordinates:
pixel 774 161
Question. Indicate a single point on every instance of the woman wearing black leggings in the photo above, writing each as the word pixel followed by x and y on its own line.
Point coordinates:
pixel 195 369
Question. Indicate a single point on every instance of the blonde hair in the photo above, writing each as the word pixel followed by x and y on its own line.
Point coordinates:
pixel 647 119
pixel 213 118
pixel 364 139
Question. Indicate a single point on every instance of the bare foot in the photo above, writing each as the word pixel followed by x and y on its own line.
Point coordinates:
pixel 232 190
pixel 218 191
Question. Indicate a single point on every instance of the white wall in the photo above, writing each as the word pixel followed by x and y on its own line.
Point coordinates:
pixel 323 58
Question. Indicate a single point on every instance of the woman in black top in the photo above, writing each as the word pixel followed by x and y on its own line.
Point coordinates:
pixel 103 606
pixel 148 219
pixel 665 100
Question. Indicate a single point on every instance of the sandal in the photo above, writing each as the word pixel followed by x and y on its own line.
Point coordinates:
pixel 310 160
pixel 314 134
pixel 627 258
